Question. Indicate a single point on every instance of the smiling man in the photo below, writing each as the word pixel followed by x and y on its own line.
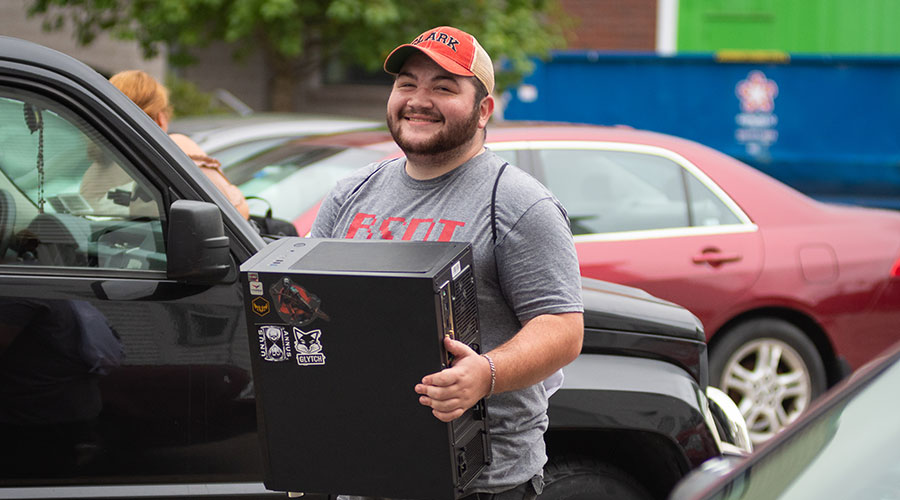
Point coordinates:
pixel 449 187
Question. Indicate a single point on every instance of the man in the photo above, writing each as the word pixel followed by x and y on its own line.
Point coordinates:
pixel 450 187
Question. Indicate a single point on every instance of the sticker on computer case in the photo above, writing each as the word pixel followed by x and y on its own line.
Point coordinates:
pixel 274 343
pixel 256 288
pixel 295 304
pixel 308 346
pixel 455 269
pixel 260 306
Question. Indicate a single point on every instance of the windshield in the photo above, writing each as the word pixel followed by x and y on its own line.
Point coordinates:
pixel 297 182
pixel 243 151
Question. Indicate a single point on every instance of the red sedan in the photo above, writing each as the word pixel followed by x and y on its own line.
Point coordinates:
pixel 792 293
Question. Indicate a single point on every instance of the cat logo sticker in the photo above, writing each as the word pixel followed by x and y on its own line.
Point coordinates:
pixel 260 306
pixel 274 343
pixel 308 347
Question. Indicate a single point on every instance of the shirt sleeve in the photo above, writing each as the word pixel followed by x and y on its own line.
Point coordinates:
pixel 537 264
pixel 326 216
pixel 330 211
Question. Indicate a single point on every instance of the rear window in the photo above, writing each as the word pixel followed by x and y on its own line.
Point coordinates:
pixel 295 183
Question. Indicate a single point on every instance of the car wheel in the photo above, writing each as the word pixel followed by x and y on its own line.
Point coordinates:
pixel 771 370
pixel 575 478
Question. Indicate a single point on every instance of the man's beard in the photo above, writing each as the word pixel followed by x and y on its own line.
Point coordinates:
pixel 443 144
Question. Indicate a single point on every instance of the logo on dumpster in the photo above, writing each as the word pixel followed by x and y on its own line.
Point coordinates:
pixel 757 122
pixel 757 93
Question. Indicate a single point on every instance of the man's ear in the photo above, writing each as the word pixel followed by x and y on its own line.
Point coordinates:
pixel 162 119
pixel 485 110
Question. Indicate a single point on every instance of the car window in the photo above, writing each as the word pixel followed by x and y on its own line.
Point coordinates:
pixel 610 191
pixel 707 209
pixel 66 198
pixel 245 150
pixel 297 181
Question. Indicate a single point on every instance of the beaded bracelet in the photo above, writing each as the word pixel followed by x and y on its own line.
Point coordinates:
pixel 493 375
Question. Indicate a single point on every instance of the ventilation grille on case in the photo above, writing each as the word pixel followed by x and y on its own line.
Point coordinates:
pixel 473 417
pixel 470 460
pixel 465 307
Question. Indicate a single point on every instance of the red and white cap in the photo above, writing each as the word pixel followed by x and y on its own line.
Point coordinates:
pixel 452 49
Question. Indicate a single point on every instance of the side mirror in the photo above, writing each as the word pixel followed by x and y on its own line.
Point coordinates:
pixel 198 250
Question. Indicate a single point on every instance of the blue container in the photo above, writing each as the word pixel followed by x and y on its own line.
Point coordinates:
pixel 824 125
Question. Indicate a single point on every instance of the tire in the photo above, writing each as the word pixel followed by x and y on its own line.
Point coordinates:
pixel 771 370
pixel 574 478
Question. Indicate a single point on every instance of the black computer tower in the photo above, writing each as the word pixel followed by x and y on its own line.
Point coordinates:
pixel 341 331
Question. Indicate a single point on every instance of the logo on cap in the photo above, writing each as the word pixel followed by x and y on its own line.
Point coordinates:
pixel 440 37
pixel 452 49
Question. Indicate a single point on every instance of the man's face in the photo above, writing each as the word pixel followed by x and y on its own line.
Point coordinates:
pixel 432 111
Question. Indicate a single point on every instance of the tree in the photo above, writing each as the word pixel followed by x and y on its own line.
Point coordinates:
pixel 296 36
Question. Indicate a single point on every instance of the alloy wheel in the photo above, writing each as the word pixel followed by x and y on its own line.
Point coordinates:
pixel 770 383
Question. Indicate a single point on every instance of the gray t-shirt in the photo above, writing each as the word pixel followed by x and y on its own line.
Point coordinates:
pixel 532 269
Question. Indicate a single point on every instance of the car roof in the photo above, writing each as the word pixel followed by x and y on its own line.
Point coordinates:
pixel 514 130
pixel 218 131
pixel 32 54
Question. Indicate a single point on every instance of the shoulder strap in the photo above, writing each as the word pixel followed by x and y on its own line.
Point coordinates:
pixel 494 203
pixel 373 172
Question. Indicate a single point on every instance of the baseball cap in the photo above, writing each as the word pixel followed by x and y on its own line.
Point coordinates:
pixel 452 49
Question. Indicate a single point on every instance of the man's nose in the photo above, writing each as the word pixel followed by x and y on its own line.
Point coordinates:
pixel 420 98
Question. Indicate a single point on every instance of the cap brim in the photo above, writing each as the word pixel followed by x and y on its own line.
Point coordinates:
pixel 395 60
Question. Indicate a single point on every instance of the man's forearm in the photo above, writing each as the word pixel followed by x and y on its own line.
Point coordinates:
pixel 545 344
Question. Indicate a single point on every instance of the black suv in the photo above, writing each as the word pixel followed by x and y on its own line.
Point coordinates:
pixel 124 357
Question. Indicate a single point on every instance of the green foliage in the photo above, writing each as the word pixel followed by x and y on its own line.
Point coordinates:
pixel 510 30
pixel 297 37
pixel 355 31
pixel 187 100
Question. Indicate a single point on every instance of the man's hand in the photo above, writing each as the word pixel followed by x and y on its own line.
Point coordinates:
pixel 452 391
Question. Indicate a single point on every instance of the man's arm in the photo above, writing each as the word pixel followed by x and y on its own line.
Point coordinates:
pixel 545 344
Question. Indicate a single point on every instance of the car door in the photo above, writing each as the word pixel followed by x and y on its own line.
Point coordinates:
pixel 110 372
pixel 646 217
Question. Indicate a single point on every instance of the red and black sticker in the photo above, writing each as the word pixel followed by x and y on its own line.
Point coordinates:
pixel 295 304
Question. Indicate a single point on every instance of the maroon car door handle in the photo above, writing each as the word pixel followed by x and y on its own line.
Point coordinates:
pixel 715 257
